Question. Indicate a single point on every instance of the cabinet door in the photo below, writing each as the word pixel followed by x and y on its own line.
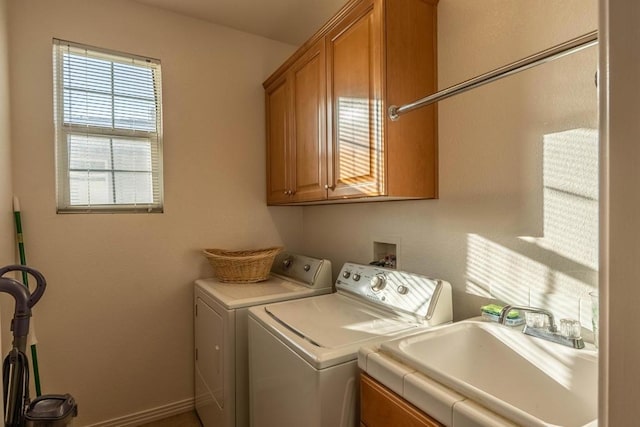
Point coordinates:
pixel 355 104
pixel 278 147
pixel 308 85
pixel 380 407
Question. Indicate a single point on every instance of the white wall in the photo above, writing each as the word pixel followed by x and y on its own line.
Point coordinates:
pixel 491 161
pixel 7 242
pixel 115 326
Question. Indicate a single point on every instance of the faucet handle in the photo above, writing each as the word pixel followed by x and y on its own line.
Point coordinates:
pixel 540 320
pixel 537 318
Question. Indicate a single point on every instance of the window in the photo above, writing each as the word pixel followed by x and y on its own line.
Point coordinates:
pixel 108 120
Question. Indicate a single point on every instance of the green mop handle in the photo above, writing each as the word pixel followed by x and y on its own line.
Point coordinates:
pixel 25 280
pixel 23 256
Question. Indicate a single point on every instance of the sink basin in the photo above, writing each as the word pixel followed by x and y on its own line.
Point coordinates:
pixel 528 380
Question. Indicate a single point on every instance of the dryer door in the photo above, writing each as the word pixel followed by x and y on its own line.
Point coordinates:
pixel 209 331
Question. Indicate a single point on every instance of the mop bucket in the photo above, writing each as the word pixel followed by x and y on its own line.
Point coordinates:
pixel 51 410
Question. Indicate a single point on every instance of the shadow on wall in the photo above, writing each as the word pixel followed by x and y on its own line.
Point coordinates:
pixel 558 270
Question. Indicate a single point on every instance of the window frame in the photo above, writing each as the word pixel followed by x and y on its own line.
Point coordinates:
pixel 63 131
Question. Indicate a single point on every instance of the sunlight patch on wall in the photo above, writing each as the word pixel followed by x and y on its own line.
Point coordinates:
pixel 494 271
pixel 570 186
pixel 513 274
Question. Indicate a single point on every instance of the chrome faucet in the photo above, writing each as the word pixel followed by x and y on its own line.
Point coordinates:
pixel 549 333
pixel 507 308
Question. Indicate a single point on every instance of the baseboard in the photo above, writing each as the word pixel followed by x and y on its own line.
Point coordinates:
pixel 149 415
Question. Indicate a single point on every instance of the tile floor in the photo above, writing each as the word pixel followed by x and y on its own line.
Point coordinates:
pixel 188 419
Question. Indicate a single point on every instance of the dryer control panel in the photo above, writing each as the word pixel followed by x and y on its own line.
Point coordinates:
pixel 312 272
pixel 400 291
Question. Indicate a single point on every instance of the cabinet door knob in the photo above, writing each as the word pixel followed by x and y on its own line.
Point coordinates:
pixel 329 187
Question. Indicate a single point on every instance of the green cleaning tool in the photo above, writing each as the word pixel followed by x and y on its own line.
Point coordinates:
pixel 492 312
pixel 25 280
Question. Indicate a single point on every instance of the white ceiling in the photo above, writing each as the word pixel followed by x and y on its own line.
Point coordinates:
pixel 288 21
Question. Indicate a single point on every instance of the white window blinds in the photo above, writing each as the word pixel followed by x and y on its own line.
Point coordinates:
pixel 108 119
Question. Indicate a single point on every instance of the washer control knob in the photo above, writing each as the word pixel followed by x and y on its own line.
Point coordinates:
pixel 356 277
pixel 286 263
pixel 307 267
pixel 346 274
pixel 378 282
pixel 402 290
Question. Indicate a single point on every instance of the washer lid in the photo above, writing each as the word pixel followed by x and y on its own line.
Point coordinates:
pixel 334 321
pixel 238 295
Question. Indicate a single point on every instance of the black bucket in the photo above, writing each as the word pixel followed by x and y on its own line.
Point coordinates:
pixel 51 410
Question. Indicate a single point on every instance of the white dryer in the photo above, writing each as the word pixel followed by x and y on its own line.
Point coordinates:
pixel 220 323
pixel 303 354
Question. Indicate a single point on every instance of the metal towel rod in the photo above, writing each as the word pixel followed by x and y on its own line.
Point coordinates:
pixel 539 58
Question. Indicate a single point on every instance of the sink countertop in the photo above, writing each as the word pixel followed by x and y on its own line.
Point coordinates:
pixel 426 394
pixel 450 407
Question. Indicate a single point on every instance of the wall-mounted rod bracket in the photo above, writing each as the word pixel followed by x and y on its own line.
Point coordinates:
pixel 539 58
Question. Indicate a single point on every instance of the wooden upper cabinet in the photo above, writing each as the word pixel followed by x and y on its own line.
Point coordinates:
pixel 411 143
pixel 278 149
pixel 328 134
pixel 354 81
pixel 296 131
pixel 309 126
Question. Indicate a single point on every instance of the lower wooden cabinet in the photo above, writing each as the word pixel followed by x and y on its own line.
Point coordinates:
pixel 380 407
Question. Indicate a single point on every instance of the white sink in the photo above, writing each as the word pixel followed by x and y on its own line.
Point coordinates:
pixel 528 380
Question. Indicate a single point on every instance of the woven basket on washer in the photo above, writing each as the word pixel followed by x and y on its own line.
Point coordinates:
pixel 242 266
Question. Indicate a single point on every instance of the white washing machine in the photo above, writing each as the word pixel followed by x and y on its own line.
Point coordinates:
pixel 220 322
pixel 303 354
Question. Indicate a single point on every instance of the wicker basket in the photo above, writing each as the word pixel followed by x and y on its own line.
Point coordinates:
pixel 241 266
